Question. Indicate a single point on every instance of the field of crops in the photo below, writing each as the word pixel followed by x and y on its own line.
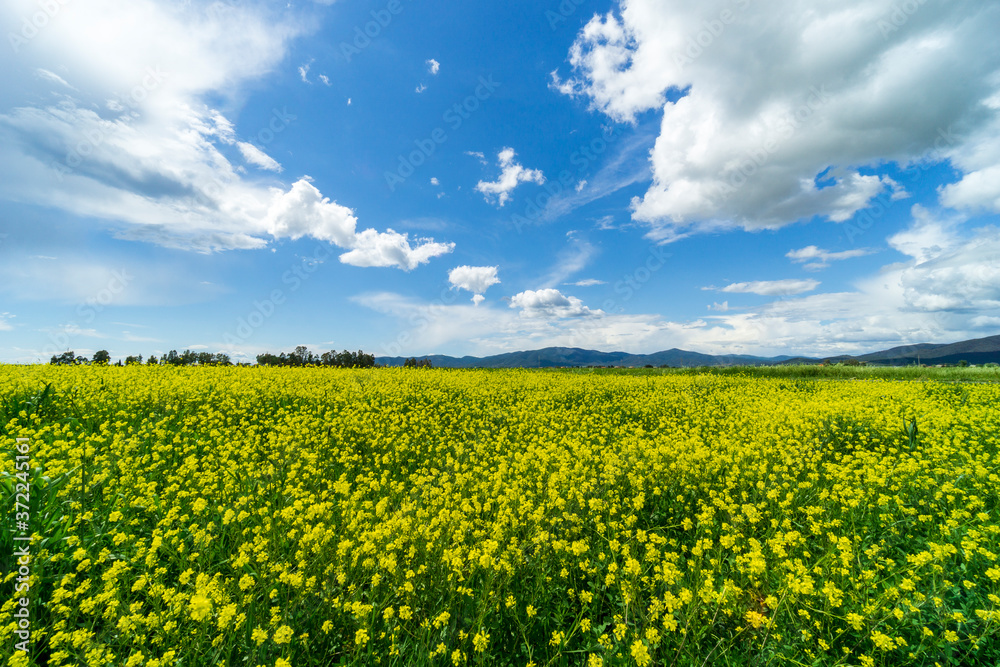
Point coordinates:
pixel 293 517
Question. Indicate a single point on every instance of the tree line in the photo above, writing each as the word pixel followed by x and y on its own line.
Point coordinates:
pixel 301 356
pixel 172 358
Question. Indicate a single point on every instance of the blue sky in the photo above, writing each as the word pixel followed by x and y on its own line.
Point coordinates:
pixel 475 178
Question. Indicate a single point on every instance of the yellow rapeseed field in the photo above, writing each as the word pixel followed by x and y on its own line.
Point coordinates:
pixel 292 517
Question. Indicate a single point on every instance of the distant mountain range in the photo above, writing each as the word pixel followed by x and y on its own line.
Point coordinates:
pixel 976 351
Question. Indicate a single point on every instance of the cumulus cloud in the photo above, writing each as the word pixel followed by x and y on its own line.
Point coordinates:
pixel 475 279
pixel 816 258
pixel 772 111
pixel 392 249
pixel 303 211
pixel 550 303
pixel 512 174
pixel 256 156
pixel 139 146
pixel 433 66
pixel 771 287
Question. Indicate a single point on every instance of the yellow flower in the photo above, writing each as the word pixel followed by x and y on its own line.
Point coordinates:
pixel 201 607
pixel 283 635
pixel 640 654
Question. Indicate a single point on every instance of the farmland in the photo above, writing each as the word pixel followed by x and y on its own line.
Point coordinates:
pixel 287 517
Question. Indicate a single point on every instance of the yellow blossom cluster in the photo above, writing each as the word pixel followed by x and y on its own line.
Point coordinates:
pixel 314 516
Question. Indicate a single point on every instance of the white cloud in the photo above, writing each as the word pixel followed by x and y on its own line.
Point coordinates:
pixel 433 66
pixel 434 181
pixel 764 140
pixel 929 237
pixel 815 258
pixel 158 163
pixel 550 303
pixel 303 211
pixel 421 88
pixel 52 76
pixel 392 249
pixel 325 79
pixel 512 174
pixel 257 157
pixel 771 287
pixel 588 282
pixel 478 155
pixel 304 73
pixel 475 279
pixel 720 307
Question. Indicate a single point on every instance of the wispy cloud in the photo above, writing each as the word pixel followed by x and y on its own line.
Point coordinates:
pixel 815 258
pixel 769 287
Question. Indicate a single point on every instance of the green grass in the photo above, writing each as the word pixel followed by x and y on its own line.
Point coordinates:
pixel 837 372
